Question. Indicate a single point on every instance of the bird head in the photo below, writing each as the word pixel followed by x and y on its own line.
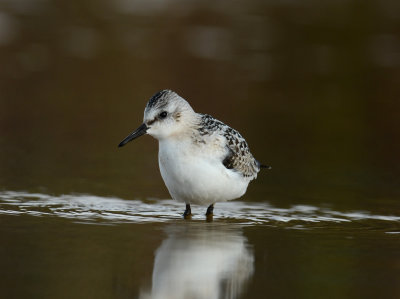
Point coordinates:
pixel 166 114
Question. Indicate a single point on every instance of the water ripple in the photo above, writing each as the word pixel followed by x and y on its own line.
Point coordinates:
pixel 95 209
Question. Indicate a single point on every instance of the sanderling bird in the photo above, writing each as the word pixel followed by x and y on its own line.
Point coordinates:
pixel 201 159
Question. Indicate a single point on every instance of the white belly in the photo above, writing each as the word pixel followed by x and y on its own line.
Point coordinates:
pixel 198 177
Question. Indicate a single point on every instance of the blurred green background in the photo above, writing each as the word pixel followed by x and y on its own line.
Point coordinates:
pixel 313 87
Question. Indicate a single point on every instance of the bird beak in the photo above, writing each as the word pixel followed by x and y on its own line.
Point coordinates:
pixel 135 134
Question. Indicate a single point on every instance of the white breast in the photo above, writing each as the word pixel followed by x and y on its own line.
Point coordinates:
pixel 195 174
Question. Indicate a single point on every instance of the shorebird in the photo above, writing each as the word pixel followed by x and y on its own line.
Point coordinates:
pixel 202 160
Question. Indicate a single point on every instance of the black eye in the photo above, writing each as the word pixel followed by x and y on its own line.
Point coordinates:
pixel 163 114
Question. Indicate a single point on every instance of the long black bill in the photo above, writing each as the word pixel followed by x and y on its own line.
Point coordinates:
pixel 135 134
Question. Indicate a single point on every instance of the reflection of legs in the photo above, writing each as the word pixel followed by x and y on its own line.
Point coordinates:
pixel 188 211
pixel 210 210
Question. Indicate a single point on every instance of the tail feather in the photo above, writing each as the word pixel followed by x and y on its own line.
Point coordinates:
pixel 263 166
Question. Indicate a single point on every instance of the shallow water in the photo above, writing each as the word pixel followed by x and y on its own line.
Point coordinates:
pixel 105 247
pixel 109 210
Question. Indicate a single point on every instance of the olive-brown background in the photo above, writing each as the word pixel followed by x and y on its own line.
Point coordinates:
pixel 313 86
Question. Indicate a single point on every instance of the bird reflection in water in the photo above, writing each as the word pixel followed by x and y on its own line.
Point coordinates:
pixel 207 261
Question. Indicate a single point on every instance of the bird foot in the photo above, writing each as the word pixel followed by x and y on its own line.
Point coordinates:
pixel 187 216
pixel 210 217
pixel 188 212
pixel 210 210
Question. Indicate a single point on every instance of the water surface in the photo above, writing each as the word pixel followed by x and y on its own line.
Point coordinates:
pixel 90 246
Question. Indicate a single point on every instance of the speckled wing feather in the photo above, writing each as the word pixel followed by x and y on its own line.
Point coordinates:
pixel 239 157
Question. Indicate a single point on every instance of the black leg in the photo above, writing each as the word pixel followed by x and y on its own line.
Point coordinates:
pixel 188 211
pixel 210 210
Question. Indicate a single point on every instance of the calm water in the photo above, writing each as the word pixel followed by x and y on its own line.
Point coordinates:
pixel 80 246
pixel 314 87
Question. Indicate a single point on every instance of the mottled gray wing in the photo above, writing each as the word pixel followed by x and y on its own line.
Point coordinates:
pixel 239 157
